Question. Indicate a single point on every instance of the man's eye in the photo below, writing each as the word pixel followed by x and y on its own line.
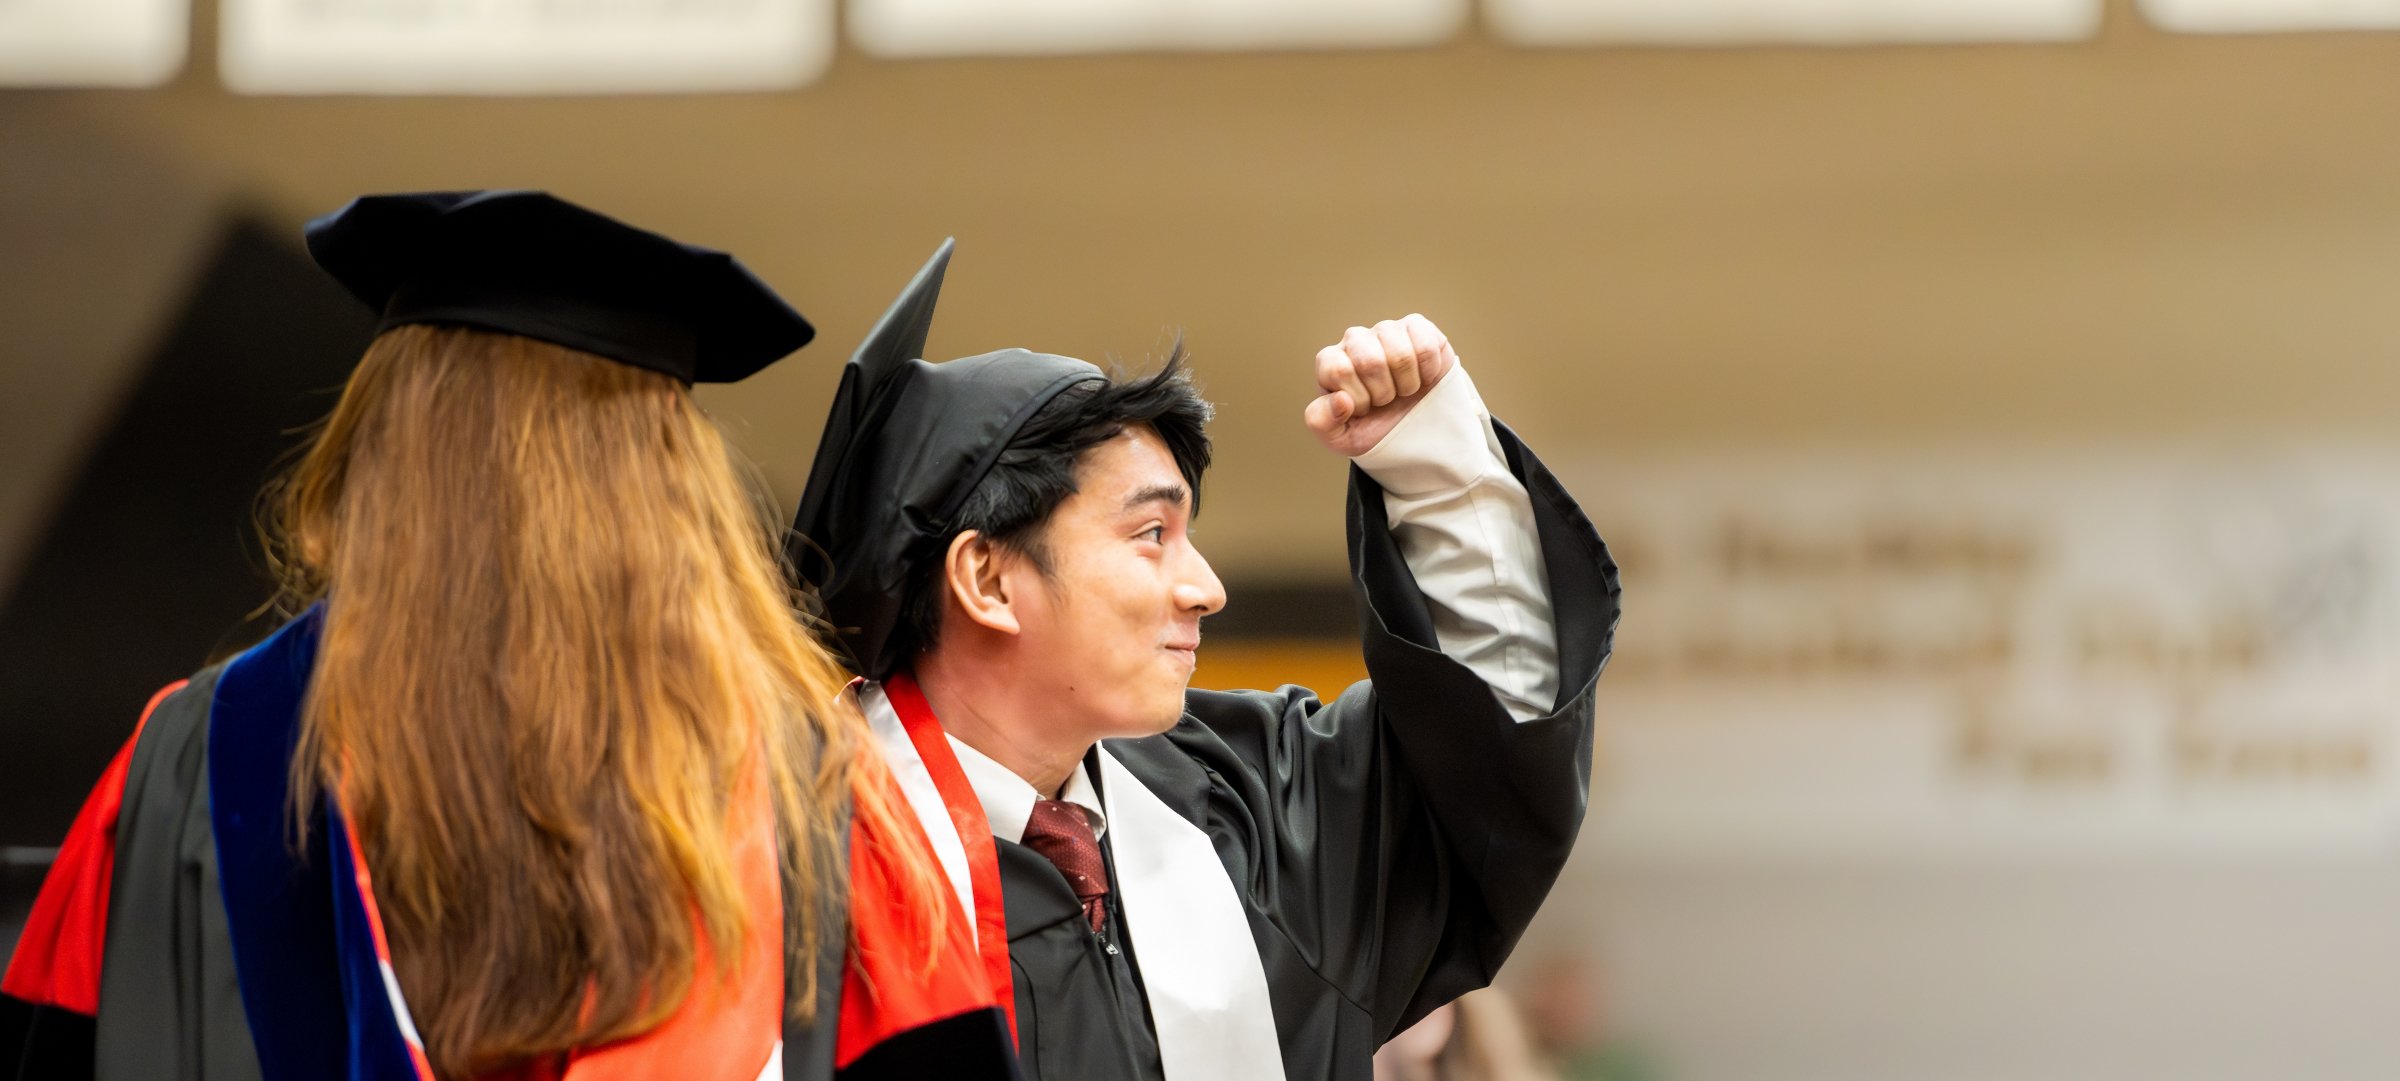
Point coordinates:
pixel 1156 533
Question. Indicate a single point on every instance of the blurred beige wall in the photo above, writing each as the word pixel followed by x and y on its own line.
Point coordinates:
pixel 1635 249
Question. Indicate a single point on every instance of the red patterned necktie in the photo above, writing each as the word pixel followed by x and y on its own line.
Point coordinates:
pixel 1060 832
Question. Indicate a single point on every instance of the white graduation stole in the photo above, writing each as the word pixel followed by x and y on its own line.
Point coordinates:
pixel 1208 991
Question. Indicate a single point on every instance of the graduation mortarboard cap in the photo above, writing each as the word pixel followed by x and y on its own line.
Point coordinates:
pixel 532 264
pixel 905 444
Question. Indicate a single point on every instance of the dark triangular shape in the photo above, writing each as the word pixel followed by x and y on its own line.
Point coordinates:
pixel 149 563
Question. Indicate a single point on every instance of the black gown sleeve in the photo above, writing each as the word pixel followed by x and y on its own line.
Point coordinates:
pixel 166 1002
pixel 1401 836
pixel 169 1002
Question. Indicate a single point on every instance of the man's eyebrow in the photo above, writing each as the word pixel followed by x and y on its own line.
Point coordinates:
pixel 1156 493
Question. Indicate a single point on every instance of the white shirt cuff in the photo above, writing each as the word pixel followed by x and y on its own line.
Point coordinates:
pixel 1442 445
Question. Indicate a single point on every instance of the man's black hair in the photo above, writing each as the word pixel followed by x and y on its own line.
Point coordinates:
pixel 1036 473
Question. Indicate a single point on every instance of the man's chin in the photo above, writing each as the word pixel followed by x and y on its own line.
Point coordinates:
pixel 1166 723
pixel 1160 719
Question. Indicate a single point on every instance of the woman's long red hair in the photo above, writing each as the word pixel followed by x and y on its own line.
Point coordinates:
pixel 556 640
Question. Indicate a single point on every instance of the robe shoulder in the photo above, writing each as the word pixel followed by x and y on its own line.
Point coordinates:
pixel 169 1002
pixel 895 998
pixel 50 996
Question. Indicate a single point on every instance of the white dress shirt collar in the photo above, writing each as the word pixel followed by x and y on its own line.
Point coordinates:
pixel 1008 800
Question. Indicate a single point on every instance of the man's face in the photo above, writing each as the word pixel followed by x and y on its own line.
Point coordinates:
pixel 1116 629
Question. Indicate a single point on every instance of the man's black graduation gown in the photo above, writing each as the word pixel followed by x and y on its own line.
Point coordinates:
pixel 1389 846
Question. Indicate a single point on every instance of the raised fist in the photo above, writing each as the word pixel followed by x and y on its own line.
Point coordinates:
pixel 1374 377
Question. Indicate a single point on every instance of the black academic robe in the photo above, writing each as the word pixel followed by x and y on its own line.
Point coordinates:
pixel 1388 847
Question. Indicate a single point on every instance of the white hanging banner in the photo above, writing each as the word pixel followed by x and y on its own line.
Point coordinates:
pixel 2258 16
pixel 92 42
pixel 523 46
pixel 1801 22
pixel 1940 654
pixel 902 28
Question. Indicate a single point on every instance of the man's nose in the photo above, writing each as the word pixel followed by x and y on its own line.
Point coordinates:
pixel 1197 588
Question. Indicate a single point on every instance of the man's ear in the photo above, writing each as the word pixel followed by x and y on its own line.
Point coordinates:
pixel 972 572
